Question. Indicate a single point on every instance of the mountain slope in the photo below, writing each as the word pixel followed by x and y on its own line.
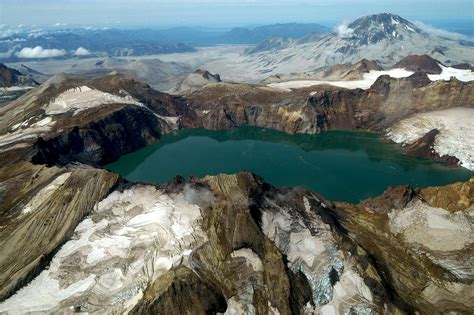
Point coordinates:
pixel 386 38
pixel 196 80
pixel 12 77
pixel 423 63
pixel 258 34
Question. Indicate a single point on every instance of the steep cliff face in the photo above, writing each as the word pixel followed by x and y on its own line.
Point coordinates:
pixel 228 243
pixel 320 108
pixel 93 122
pixel 101 141
pixel 12 77
pixel 420 242
pixel 40 208
pixel 234 244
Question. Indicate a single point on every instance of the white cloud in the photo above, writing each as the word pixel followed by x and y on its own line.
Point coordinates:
pixel 39 52
pixel 439 32
pixel 343 30
pixel 81 51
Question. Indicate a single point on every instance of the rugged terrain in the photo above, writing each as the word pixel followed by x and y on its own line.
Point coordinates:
pixel 386 38
pixel 318 108
pixel 77 238
pixel 13 84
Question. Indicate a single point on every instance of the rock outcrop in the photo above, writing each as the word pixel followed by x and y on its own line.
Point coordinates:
pixel 13 84
pixel 79 239
pixel 40 208
pixel 319 108
pixel 421 246
pixel 350 71
pixel 420 63
pixel 234 244
pixel 11 77
pixel 196 80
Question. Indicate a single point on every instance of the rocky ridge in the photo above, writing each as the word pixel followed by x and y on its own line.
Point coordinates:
pixel 384 37
pixel 195 81
pixel 13 84
pixel 115 246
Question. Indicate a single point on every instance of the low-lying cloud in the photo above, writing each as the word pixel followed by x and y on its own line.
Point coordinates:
pixel 81 51
pixel 439 32
pixel 39 52
pixel 343 30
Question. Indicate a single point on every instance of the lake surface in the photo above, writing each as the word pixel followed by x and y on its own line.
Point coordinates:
pixel 341 165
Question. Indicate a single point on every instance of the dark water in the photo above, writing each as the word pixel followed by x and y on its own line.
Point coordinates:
pixel 346 166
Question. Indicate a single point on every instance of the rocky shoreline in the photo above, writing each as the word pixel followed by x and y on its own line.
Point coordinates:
pixel 97 243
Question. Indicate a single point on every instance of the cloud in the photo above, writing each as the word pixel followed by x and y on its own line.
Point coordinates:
pixel 198 195
pixel 39 52
pixel 343 30
pixel 81 51
pixel 439 32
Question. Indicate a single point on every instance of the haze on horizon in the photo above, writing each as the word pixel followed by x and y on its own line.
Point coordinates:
pixel 160 13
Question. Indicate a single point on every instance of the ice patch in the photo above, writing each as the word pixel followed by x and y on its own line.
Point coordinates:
pixel 251 258
pixel 367 81
pixel 448 72
pixel 434 228
pixel 370 78
pixel 456 137
pixel 83 97
pixel 143 230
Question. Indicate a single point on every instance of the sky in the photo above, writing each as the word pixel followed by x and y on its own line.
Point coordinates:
pixel 221 12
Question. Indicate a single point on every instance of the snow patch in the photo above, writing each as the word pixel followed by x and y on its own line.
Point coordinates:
pixel 143 230
pixel 448 72
pixel 370 78
pixel 251 258
pixel 367 81
pixel 435 228
pixel 83 97
pixel 456 137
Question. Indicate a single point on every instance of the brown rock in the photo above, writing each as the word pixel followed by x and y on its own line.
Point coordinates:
pixel 423 148
pixel 454 197
pixel 421 63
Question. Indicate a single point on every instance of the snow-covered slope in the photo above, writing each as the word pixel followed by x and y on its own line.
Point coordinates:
pixel 370 77
pixel 386 38
pixel 456 137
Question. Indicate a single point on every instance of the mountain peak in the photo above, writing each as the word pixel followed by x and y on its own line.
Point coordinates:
pixel 372 29
pixel 420 63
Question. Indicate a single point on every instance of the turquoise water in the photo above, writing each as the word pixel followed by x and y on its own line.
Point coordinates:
pixel 341 165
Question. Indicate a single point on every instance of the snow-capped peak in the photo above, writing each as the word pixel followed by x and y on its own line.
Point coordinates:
pixel 374 28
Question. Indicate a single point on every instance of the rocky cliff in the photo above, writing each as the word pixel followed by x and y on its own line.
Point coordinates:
pixel 234 244
pixel 75 238
pixel 320 108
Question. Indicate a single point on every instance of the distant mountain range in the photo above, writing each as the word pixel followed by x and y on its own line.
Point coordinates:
pixel 261 33
pixel 12 77
pixel 82 43
pixel 385 37
pixel 85 43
